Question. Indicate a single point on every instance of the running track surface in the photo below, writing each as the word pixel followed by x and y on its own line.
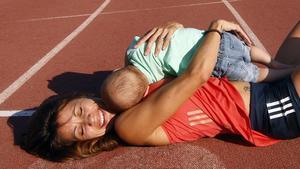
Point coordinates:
pixel 55 47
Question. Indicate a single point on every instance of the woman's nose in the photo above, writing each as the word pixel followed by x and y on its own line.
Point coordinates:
pixel 85 119
pixel 88 120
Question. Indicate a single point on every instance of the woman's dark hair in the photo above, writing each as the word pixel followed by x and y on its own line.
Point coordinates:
pixel 42 140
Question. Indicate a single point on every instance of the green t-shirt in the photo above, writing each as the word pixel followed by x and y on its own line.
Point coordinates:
pixel 170 62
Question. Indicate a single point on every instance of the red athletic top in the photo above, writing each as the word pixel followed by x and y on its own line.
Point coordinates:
pixel 216 107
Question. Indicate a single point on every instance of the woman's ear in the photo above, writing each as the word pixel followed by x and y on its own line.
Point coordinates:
pixel 117 69
pixel 146 92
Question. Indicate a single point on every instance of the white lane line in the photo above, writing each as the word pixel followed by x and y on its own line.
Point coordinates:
pixel 166 7
pixel 20 113
pixel 122 11
pixel 245 26
pixel 37 66
pixel 53 18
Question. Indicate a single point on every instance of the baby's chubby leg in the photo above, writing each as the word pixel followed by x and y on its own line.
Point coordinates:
pixel 260 56
pixel 274 70
pixel 267 74
pixel 288 50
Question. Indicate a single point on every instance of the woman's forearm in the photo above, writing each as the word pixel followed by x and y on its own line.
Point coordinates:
pixel 205 57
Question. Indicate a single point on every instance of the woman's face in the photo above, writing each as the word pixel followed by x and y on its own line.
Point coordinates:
pixel 82 119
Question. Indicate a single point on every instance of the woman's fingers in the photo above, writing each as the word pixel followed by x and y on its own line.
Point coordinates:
pixel 152 39
pixel 243 35
pixel 232 26
pixel 160 41
pixel 167 39
pixel 161 35
pixel 145 37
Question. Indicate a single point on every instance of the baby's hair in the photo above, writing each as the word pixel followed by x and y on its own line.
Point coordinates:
pixel 123 89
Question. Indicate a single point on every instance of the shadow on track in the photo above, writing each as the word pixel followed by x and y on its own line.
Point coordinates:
pixel 19 125
pixel 77 82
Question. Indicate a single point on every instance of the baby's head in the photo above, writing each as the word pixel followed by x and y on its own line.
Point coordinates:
pixel 124 88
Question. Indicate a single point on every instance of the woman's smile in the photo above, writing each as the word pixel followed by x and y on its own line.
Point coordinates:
pixel 101 116
pixel 84 118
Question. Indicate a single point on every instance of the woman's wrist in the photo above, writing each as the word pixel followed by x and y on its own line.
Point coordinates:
pixel 214 30
pixel 176 25
pixel 179 25
pixel 216 25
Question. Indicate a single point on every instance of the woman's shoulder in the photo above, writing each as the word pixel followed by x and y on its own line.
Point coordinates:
pixel 154 86
pixel 158 137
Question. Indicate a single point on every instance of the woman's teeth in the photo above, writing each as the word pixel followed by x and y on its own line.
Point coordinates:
pixel 101 118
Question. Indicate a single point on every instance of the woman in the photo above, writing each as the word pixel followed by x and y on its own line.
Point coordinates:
pixel 78 126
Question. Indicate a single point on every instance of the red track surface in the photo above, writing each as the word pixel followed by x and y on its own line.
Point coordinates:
pixel 84 62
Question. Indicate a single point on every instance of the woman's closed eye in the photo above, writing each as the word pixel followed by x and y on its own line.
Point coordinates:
pixel 81 131
pixel 79 112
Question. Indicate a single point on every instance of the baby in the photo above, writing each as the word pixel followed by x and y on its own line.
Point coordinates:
pixel 125 87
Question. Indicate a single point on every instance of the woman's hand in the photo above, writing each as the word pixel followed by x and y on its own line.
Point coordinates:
pixel 161 35
pixel 223 25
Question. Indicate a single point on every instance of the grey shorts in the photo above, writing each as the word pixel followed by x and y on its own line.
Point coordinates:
pixel 234 60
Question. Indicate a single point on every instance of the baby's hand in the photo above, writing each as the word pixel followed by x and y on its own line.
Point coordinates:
pixel 161 35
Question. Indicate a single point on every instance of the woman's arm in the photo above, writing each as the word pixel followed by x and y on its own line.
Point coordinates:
pixel 137 124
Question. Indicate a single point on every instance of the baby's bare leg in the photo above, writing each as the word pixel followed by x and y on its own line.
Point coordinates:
pixel 260 56
pixel 289 53
pixel 269 74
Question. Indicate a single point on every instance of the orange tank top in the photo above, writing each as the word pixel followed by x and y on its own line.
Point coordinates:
pixel 216 107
